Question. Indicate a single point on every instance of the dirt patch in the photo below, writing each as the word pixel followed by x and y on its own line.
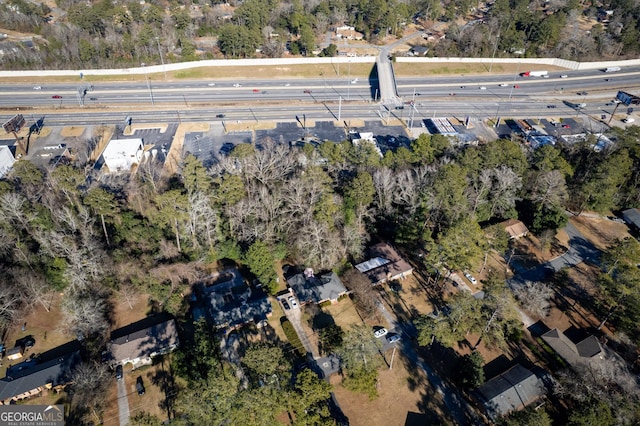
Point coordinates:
pixel 414 296
pixel 130 309
pixel 72 131
pixel 401 392
pixel 600 232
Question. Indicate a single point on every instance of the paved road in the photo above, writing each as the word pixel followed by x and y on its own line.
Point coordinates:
pixel 123 402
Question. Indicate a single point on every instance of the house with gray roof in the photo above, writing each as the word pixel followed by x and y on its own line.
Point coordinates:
pixel 138 343
pixel 512 390
pixel 232 303
pixel 30 378
pixel 311 289
pixel 581 353
pixel 632 217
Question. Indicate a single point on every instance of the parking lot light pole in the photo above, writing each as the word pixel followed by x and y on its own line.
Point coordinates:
pixel 161 58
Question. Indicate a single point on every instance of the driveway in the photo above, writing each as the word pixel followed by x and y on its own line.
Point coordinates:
pixel 123 402
pixel 294 315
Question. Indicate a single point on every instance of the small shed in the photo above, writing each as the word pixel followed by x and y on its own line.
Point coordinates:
pixel 15 353
pixel 515 228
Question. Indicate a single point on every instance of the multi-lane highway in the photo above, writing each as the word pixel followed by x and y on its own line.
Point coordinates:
pixel 277 99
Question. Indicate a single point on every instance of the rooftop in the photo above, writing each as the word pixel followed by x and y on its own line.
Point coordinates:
pixel 309 288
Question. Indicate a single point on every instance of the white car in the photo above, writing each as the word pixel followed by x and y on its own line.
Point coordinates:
pixel 471 278
pixel 629 120
pixel 237 85
pixel 380 332
pixel 564 76
pixel 211 84
pixel 37 87
pixel 503 84
pixel 287 85
pixel 294 303
pixel 354 81
pixel 483 88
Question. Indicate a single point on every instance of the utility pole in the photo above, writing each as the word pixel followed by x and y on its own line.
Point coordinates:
pixel 339 107
pixel 162 58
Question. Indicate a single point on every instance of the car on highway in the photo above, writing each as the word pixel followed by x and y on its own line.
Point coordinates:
pixel 93 99
pixel 140 386
pixel 564 76
pixel 616 101
pixel 551 106
pixel 463 87
pixel 307 91
pixel 582 93
pixel 256 91
pixel 37 87
pixel 470 277
pixel 56 97
pixel 354 81
pixel 220 116
pixel 287 84
pixel 211 84
pixel 237 85
pixel 503 84
pixel 380 332
pixel 483 88
pixel 393 338
pixel 293 301
pixel 516 86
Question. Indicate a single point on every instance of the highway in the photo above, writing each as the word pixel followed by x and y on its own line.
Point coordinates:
pixel 272 99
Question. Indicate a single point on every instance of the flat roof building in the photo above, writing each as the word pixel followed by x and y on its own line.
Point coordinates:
pixel 121 154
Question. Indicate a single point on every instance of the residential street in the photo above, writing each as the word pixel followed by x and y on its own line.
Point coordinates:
pixel 123 402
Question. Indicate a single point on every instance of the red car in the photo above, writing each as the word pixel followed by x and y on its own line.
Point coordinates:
pixel 57 97
pixel 566 126
pixel 517 86
pixel 256 91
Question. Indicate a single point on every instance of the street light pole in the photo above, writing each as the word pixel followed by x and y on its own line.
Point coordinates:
pixel 146 75
pixel 162 58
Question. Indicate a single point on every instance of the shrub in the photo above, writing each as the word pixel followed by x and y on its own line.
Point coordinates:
pixel 293 338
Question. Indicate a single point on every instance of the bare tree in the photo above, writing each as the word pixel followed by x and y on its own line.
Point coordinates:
pixel 34 290
pixel 551 189
pixel 88 388
pixel 385 185
pixel 365 297
pixel 86 313
pixel 535 298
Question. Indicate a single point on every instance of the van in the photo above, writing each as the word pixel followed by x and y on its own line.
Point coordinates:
pixel 612 69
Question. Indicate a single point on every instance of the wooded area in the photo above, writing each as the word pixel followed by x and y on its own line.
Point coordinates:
pixel 106 34
pixel 100 241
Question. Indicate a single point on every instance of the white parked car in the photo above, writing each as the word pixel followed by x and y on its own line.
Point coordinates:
pixel 293 302
pixel 380 332
pixel 629 120
pixel 471 278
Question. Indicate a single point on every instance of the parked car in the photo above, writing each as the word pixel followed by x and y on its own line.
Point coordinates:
pixel 285 305
pixel 566 126
pixel 628 120
pixel 118 374
pixel 140 385
pixel 293 301
pixel 392 338
pixel 380 332
pixel 27 342
pixel 471 278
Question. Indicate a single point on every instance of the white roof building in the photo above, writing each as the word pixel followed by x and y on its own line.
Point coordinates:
pixel 121 154
pixel 6 160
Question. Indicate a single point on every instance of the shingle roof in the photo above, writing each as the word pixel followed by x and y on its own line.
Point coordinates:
pixel 512 390
pixel 632 217
pixel 385 263
pixel 574 353
pixel 234 303
pixel 143 338
pixel 316 290
pixel 515 228
pixel 55 371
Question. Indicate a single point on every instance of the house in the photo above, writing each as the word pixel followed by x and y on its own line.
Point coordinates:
pixel 138 343
pixel 632 217
pixel 231 303
pixel 358 138
pixel 418 51
pixel 311 289
pixel 31 377
pixel 121 154
pixel 384 265
pixel 15 353
pixel 6 160
pixel 348 33
pixel 582 353
pixel 512 390
pixel 515 229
